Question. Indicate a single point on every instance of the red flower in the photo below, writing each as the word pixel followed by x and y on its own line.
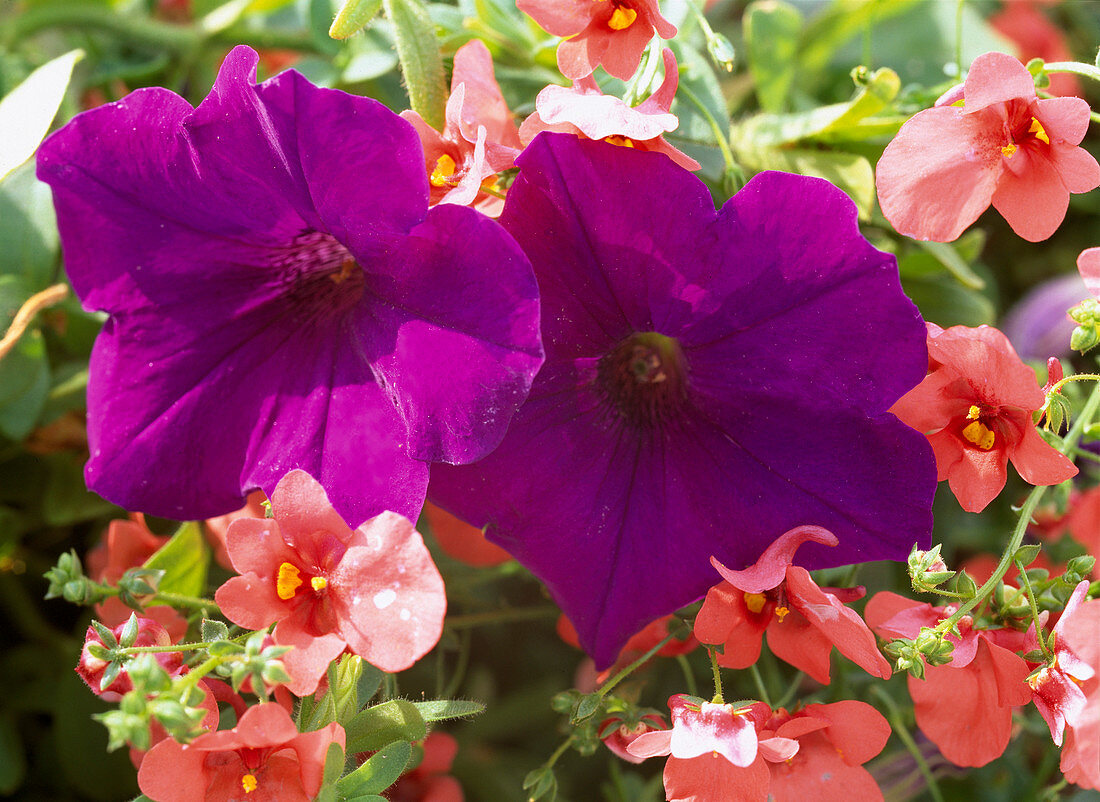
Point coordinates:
pixel 1003 146
pixel 586 111
pixel 430 782
pixel 128 544
pixel 833 743
pixel 262 759
pixel 1058 694
pixel 609 32
pixel 975 407
pixel 461 540
pixel 803 621
pixel 712 752
pixel 965 707
pixel 149 633
pixel 618 733
pixel 374 590
pixel 479 138
pixel 1081 748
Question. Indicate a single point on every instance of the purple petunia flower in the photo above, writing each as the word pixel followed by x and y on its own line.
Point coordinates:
pixel 712 380
pixel 281 297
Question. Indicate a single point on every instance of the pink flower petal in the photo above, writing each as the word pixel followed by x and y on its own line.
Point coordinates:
pixel 994 78
pixel 771 568
pixel 1035 202
pixel 1088 263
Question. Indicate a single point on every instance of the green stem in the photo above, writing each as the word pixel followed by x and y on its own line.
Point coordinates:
pixel 1076 67
pixel 1074 378
pixel 193 602
pixel 630 669
pixel 501 617
pixel 689 675
pixel 1033 499
pixel 758 681
pixel 907 739
pixel 792 689
pixel 959 38
pixel 1034 612
pixel 719 135
pixel 713 655
pixel 561 750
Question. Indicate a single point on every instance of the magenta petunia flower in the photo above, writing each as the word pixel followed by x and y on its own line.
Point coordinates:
pixel 712 381
pixel 281 297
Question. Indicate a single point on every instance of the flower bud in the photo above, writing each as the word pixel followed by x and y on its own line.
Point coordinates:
pixel 927 569
pixel 107 673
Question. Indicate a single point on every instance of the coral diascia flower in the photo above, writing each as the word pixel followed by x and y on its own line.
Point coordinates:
pixel 281 297
pixel 803 621
pixel 585 110
pixel 712 380
pixel 263 759
pixel 1004 146
pixel 479 138
pixel 373 590
pixel 975 406
pixel 964 707
pixel 609 32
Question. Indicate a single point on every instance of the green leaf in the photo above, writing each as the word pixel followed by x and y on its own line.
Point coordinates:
pixel 947 256
pixel 837 121
pixel 849 171
pixel 28 229
pixel 27 111
pixel 840 22
pixel 24 385
pixel 443 709
pixel 369 682
pixel 213 630
pixel 378 773
pixel 184 560
pixel 771 39
pixel 378 726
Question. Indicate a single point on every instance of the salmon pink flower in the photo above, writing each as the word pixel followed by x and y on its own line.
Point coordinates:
pixel 373 590
pixel 479 138
pixel 586 111
pixel 609 32
pixel 263 759
pixel 280 296
pixel 964 707
pixel 618 733
pixel 712 751
pixel 833 743
pixel 1003 146
pixel 975 407
pixel 803 621
pixel 1088 264
pixel 1057 686
pixel 217 527
pixel 1036 36
pixel 92 669
pixel 1081 747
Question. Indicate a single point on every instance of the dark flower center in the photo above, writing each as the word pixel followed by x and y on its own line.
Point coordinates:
pixel 322 278
pixel 644 378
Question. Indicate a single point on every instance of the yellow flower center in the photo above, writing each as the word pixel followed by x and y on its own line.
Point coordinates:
pixel 755 601
pixel 286 582
pixel 1009 150
pixel 977 432
pixel 442 175
pixel 621 141
pixel 781 613
pixel 248 781
pixel 318 583
pixel 622 18
pixel 1040 132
